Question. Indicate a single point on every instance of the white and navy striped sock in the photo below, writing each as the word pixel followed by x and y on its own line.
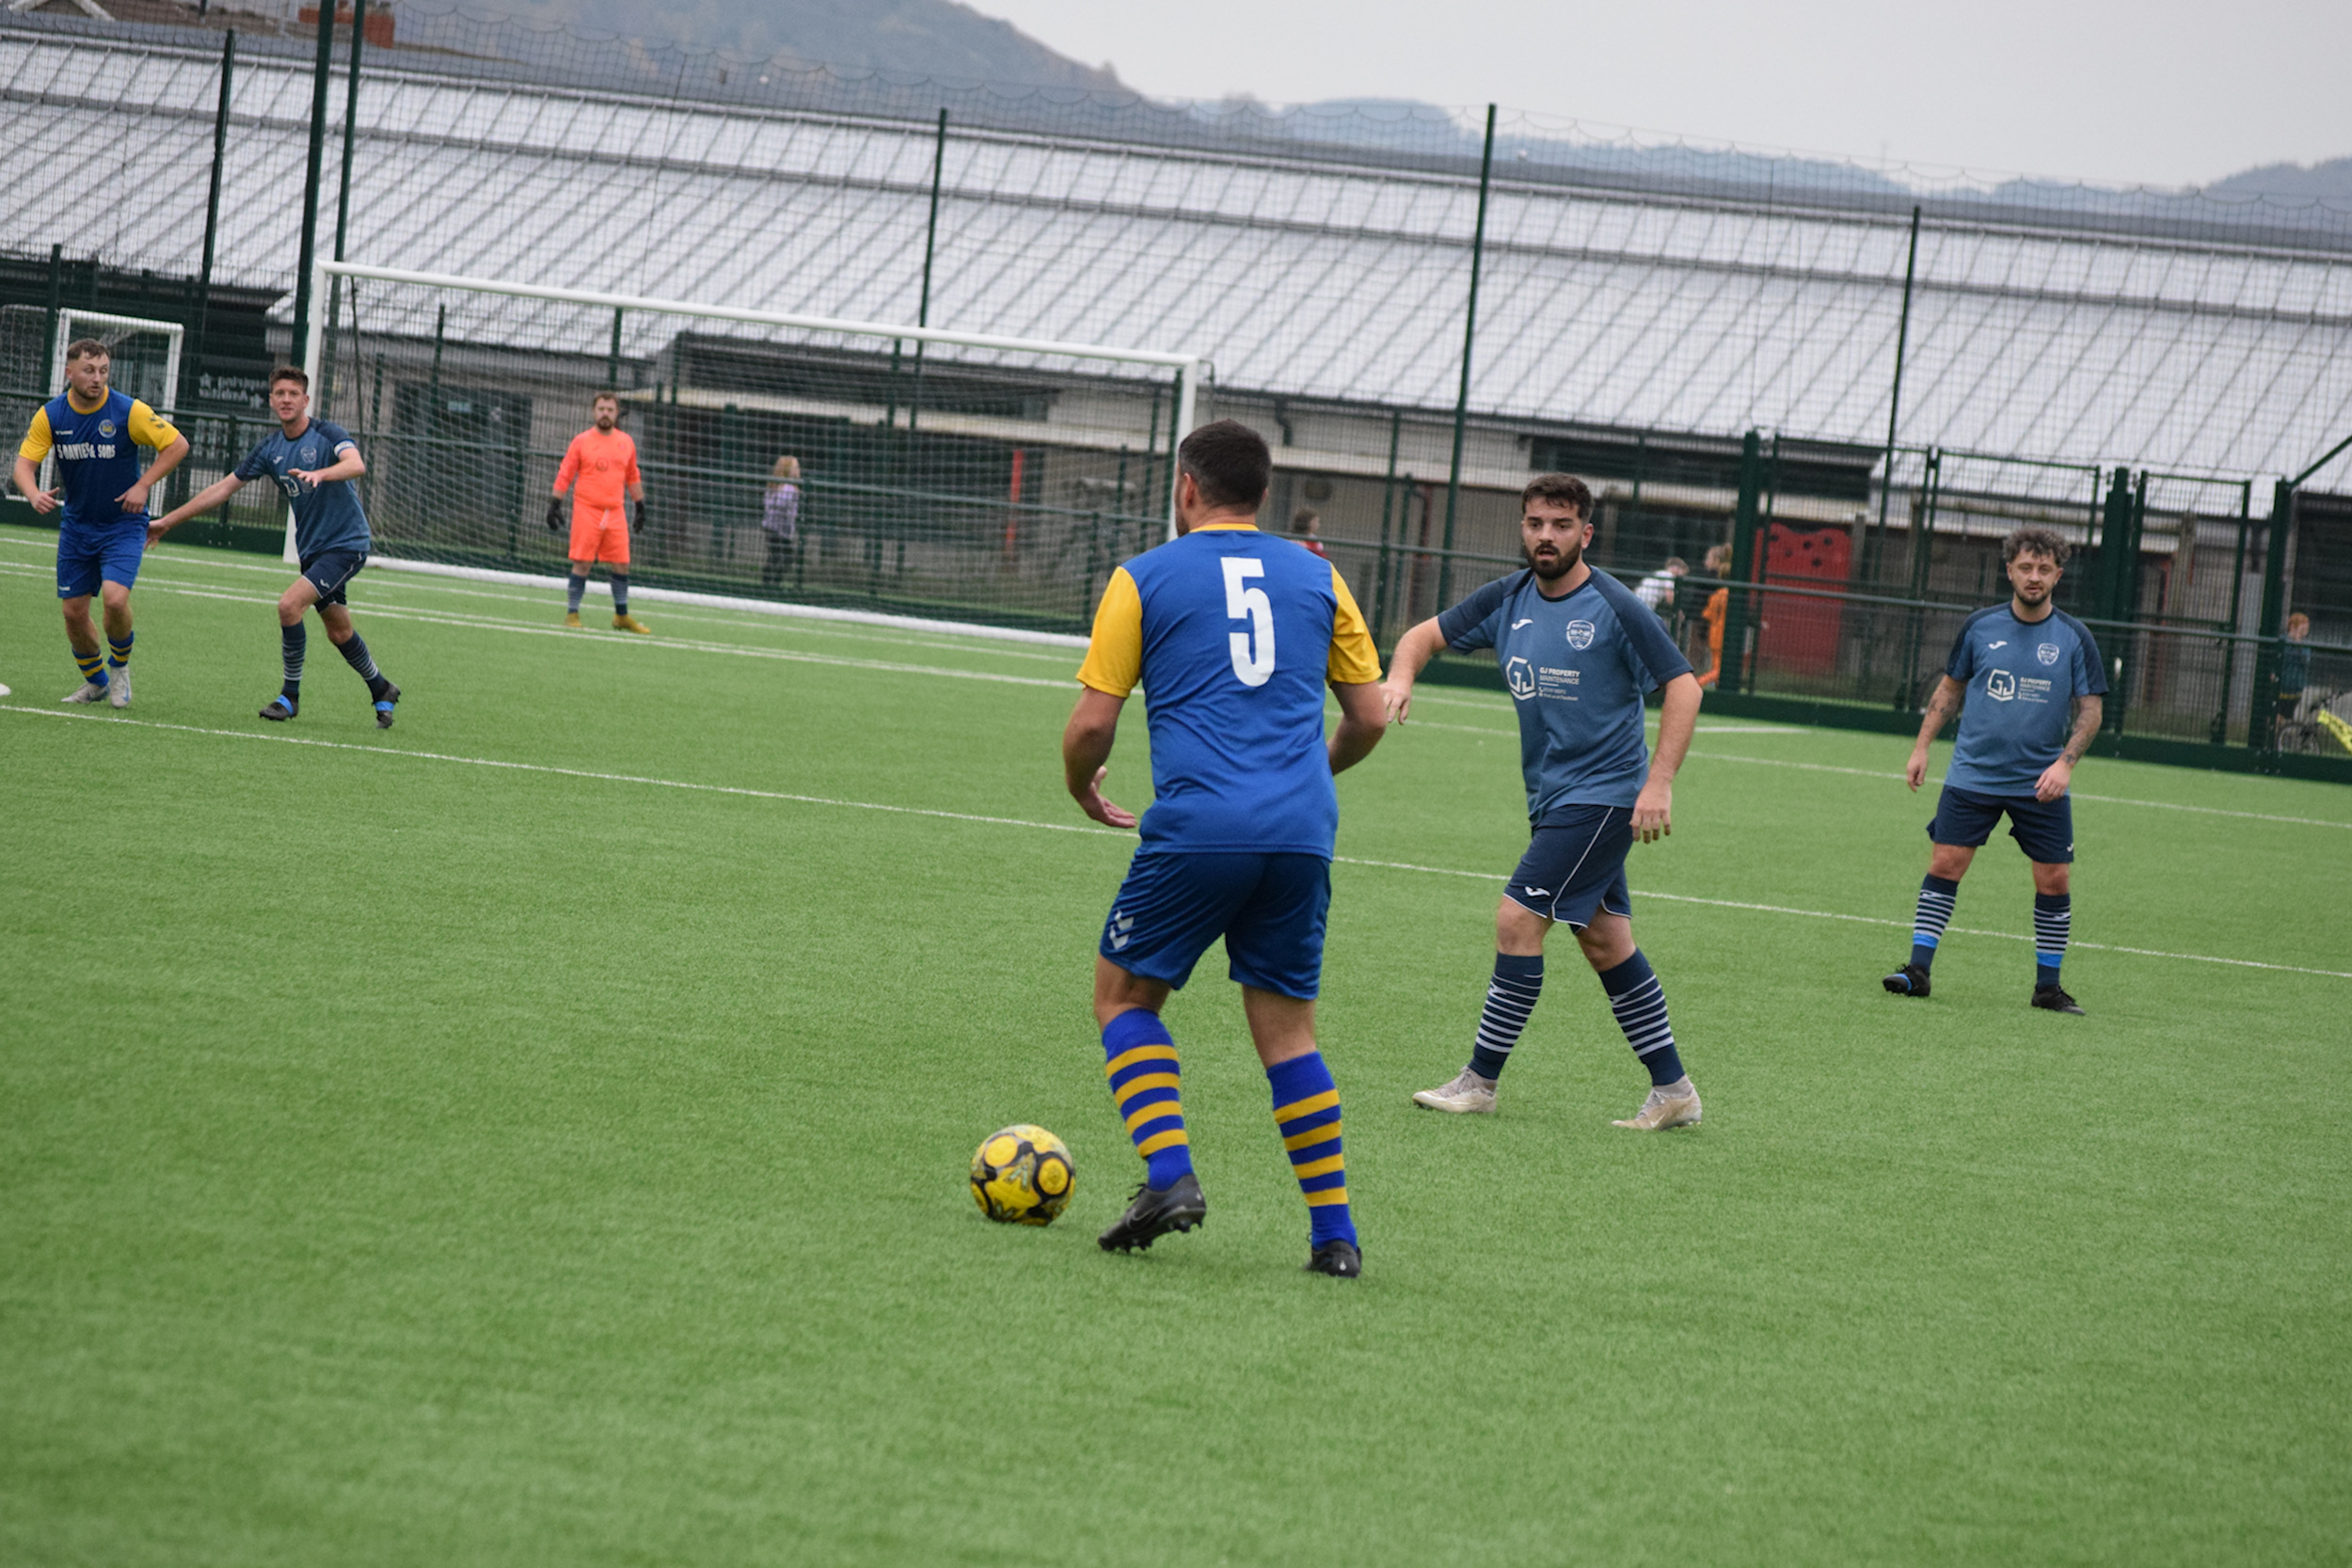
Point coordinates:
pixel 1511 996
pixel 1640 1003
pixel 2053 922
pixel 1936 898
pixel 292 642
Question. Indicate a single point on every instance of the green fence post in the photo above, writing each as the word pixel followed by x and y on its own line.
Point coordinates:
pixel 1740 613
pixel 1387 511
pixel 2237 585
pixel 1470 341
pixel 321 74
pixel 2118 562
pixel 2262 718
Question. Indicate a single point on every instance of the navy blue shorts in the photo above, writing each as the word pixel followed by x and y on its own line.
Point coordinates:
pixel 89 555
pixel 2045 830
pixel 1269 908
pixel 330 571
pixel 1575 865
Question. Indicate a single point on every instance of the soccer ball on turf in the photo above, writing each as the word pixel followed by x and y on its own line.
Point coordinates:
pixel 1022 1176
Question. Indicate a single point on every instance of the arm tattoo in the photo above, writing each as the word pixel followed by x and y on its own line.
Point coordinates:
pixel 2088 711
pixel 1941 701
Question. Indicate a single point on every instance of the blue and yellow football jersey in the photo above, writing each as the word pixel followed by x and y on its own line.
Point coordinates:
pixel 1231 635
pixel 97 453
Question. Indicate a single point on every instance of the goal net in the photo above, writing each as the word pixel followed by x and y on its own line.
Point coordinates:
pixel 940 473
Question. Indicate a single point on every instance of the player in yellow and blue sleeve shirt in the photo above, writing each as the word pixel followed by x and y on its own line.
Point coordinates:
pixel 1232 636
pixel 94 434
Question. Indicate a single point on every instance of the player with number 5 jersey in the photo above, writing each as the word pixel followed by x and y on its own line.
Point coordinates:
pixel 1233 635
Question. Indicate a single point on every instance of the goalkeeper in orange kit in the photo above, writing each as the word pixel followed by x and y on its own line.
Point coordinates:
pixel 600 466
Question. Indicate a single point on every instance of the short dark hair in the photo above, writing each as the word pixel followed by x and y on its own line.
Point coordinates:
pixel 294 374
pixel 1566 489
pixel 1305 519
pixel 1229 461
pixel 607 394
pixel 2034 541
pixel 86 348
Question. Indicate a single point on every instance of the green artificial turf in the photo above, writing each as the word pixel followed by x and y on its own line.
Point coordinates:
pixel 405 1160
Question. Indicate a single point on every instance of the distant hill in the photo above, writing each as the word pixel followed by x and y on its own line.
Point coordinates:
pixel 2329 181
pixel 924 38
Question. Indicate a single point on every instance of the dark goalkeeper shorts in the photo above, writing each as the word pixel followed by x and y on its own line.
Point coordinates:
pixel 2045 830
pixel 1269 908
pixel 331 571
pixel 1575 865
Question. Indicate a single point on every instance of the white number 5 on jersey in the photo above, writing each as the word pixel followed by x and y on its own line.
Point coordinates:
pixel 1253 650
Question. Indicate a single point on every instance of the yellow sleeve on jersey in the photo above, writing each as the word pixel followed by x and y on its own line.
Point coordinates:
pixel 1114 659
pixel 36 439
pixel 148 429
pixel 1355 658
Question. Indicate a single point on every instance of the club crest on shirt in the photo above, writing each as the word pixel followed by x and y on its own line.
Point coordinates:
pixel 2047 653
pixel 2000 685
pixel 1519 677
pixel 106 427
pixel 1579 634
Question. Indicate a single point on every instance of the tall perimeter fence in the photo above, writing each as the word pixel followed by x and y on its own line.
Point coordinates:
pixel 1855 379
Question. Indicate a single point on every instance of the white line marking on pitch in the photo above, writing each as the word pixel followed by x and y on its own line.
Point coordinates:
pixel 1088 831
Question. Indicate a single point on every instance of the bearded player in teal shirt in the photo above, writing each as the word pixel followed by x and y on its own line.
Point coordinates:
pixel 2034 687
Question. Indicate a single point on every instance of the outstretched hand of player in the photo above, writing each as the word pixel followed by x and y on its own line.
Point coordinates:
pixel 1092 803
pixel 1396 701
pixel 1654 811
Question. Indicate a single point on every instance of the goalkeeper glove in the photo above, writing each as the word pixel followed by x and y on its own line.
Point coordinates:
pixel 555 514
pixel 637 522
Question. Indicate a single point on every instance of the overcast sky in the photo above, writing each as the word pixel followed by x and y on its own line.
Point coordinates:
pixel 2139 91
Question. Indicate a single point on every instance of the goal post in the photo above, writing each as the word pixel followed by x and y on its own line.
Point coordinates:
pixel 965 475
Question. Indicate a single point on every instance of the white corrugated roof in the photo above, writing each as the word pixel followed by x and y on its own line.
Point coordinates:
pixel 1311 281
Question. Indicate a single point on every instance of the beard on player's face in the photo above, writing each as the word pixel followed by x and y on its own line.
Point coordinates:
pixel 1552 559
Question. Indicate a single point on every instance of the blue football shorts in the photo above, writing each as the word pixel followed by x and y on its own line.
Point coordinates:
pixel 1269 908
pixel 1575 865
pixel 2045 830
pixel 88 556
pixel 330 571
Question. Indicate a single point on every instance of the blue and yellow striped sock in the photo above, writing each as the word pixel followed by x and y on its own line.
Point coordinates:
pixel 1139 1060
pixel 93 666
pixel 1307 1110
pixel 119 649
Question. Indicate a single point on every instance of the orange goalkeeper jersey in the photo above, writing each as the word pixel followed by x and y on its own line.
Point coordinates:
pixel 604 462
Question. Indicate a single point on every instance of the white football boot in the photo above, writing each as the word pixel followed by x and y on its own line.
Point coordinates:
pixel 1466 1095
pixel 118 686
pixel 89 691
pixel 1675 1105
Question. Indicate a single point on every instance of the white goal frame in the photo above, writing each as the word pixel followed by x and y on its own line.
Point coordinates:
pixel 1190 369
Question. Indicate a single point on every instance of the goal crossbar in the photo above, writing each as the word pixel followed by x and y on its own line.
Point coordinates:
pixel 1190 369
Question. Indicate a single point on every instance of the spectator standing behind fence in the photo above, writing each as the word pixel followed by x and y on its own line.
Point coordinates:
pixel 1658 589
pixel 780 515
pixel 1718 561
pixel 2294 667
pixel 1306 529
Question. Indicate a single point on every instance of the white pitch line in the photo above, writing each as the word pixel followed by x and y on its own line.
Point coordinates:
pixel 463 620
pixel 1088 831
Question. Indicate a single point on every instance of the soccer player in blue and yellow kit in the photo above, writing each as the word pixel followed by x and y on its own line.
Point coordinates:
pixel 312 463
pixel 2019 668
pixel 1579 652
pixel 95 433
pixel 1233 635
